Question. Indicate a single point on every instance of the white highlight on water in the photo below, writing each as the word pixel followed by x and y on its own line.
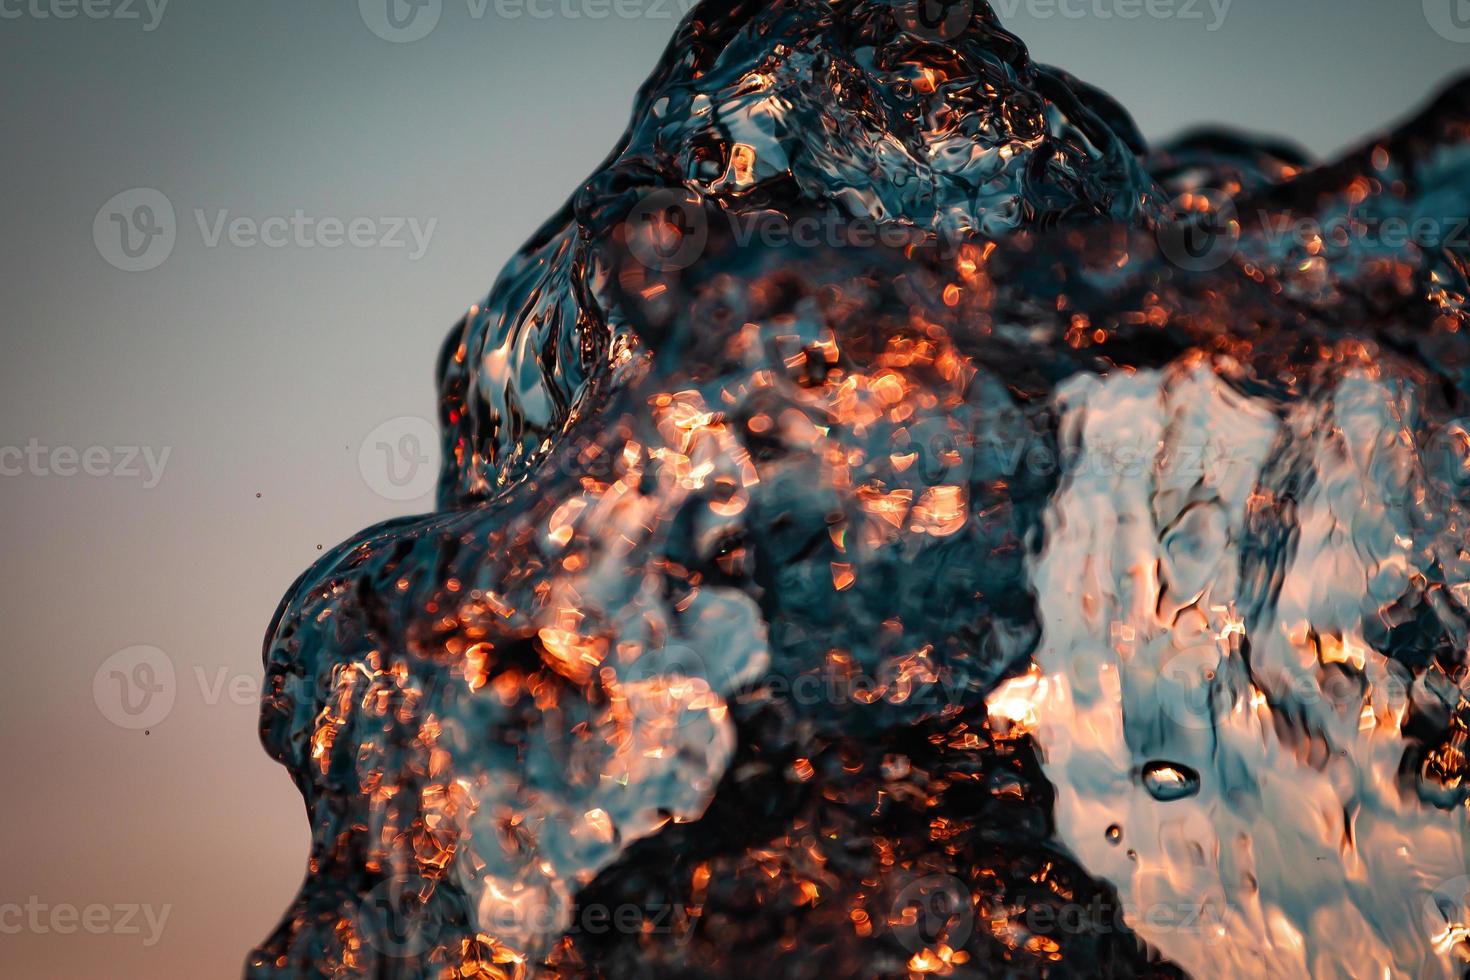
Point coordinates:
pixel 1303 853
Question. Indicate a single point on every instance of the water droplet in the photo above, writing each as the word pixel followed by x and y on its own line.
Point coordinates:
pixel 1115 834
pixel 1168 781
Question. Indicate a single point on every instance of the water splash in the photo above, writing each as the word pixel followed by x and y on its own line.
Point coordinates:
pixel 894 520
pixel 1222 619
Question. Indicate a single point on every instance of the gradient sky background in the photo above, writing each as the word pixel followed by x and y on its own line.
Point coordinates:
pixel 263 370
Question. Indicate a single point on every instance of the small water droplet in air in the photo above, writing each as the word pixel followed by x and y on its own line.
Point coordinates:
pixel 1115 834
pixel 1168 781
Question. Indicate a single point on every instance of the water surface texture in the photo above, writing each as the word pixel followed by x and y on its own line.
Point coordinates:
pixel 895 522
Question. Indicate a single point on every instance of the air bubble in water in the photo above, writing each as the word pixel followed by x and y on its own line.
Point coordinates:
pixel 1167 781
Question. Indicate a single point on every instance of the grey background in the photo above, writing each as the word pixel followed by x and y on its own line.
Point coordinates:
pixel 264 370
